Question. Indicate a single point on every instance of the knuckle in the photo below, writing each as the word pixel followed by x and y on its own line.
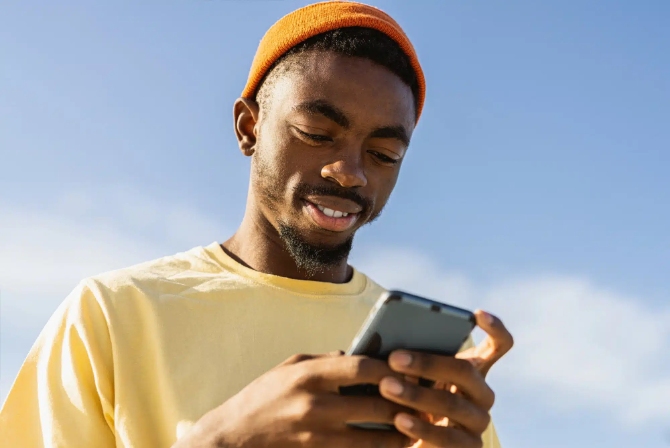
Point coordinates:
pixel 306 438
pixel 361 366
pixel 384 439
pixel 383 408
pixel 358 365
pixel 491 398
pixel 463 367
pixel 303 377
pixel 423 362
pixel 307 407
pixel 445 437
pixel 412 392
pixel 478 442
pixel 481 420
pixel 450 402
pixel 392 440
pixel 486 421
pixel 451 437
pixel 510 342
pixel 295 359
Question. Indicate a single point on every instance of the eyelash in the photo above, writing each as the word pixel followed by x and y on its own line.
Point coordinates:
pixel 383 158
pixel 315 137
pixel 322 138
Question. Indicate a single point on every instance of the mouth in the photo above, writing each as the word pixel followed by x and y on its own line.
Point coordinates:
pixel 330 218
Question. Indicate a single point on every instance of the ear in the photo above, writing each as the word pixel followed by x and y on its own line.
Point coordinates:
pixel 245 113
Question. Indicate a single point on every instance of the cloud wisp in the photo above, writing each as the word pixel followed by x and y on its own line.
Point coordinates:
pixel 578 346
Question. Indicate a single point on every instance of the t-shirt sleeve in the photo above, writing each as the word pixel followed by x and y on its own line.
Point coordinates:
pixel 63 395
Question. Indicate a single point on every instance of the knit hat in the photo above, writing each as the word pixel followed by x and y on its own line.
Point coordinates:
pixel 318 18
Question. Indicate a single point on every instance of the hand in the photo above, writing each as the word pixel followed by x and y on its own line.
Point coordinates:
pixel 297 404
pixel 497 343
pixel 455 412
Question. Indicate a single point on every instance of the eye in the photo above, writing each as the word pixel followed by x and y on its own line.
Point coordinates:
pixel 383 158
pixel 316 138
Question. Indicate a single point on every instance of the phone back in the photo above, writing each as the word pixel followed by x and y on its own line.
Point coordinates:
pixel 402 320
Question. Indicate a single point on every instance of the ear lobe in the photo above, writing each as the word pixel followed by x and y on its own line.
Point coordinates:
pixel 245 113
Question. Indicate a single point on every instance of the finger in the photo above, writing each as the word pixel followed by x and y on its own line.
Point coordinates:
pixel 331 373
pixel 445 369
pixel 353 437
pixel 374 439
pixel 301 357
pixel 436 402
pixel 500 339
pixel 435 436
pixel 345 409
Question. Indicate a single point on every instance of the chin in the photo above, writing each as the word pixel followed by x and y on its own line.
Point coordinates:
pixel 315 247
pixel 327 239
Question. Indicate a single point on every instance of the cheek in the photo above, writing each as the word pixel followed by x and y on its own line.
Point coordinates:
pixel 385 188
pixel 274 177
pixel 263 180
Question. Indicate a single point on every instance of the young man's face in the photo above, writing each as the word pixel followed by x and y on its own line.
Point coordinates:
pixel 329 145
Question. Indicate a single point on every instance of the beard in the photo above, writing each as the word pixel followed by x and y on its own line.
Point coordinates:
pixel 313 258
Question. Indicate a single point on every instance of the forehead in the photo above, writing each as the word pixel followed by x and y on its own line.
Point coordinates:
pixel 368 93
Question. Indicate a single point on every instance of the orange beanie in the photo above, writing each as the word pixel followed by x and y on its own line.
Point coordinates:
pixel 318 18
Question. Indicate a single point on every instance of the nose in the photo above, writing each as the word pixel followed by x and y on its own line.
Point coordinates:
pixel 347 170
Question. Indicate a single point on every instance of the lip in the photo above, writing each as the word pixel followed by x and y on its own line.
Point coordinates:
pixel 335 203
pixel 328 222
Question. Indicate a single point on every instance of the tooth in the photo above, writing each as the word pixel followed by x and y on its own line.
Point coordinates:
pixel 328 212
pixel 320 207
pixel 337 214
pixel 344 215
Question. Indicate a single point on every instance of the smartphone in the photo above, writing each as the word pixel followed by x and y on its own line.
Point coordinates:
pixel 400 320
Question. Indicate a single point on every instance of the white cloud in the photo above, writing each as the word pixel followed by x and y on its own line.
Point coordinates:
pixel 87 233
pixel 577 347
pixel 41 251
pixel 45 252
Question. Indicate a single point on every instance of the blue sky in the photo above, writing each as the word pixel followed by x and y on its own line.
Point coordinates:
pixel 536 183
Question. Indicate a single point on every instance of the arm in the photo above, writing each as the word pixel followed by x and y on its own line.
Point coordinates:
pixel 63 394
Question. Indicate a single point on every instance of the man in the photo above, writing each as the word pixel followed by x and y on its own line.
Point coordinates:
pixel 187 350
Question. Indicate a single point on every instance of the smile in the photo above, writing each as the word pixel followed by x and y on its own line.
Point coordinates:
pixel 332 213
pixel 330 219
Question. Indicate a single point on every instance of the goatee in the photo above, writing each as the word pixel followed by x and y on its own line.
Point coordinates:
pixel 311 258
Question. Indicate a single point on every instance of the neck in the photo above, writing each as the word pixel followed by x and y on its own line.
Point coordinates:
pixel 257 245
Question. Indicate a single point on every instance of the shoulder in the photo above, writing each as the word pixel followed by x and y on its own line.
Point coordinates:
pixel 152 279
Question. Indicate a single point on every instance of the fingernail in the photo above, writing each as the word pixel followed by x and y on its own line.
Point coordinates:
pixel 393 386
pixel 404 421
pixel 403 359
pixel 488 319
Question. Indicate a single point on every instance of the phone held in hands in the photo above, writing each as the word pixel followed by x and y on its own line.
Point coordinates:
pixel 400 320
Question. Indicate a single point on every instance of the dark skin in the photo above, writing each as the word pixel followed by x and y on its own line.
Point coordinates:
pixel 321 128
pixel 320 133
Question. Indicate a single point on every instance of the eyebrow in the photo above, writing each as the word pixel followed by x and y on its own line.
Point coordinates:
pixel 397 132
pixel 328 110
pixel 321 107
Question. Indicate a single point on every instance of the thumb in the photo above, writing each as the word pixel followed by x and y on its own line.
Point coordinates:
pixel 497 342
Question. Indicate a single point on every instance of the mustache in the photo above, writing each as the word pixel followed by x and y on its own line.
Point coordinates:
pixel 303 190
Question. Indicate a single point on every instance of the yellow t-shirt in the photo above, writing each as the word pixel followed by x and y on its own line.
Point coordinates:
pixel 133 358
